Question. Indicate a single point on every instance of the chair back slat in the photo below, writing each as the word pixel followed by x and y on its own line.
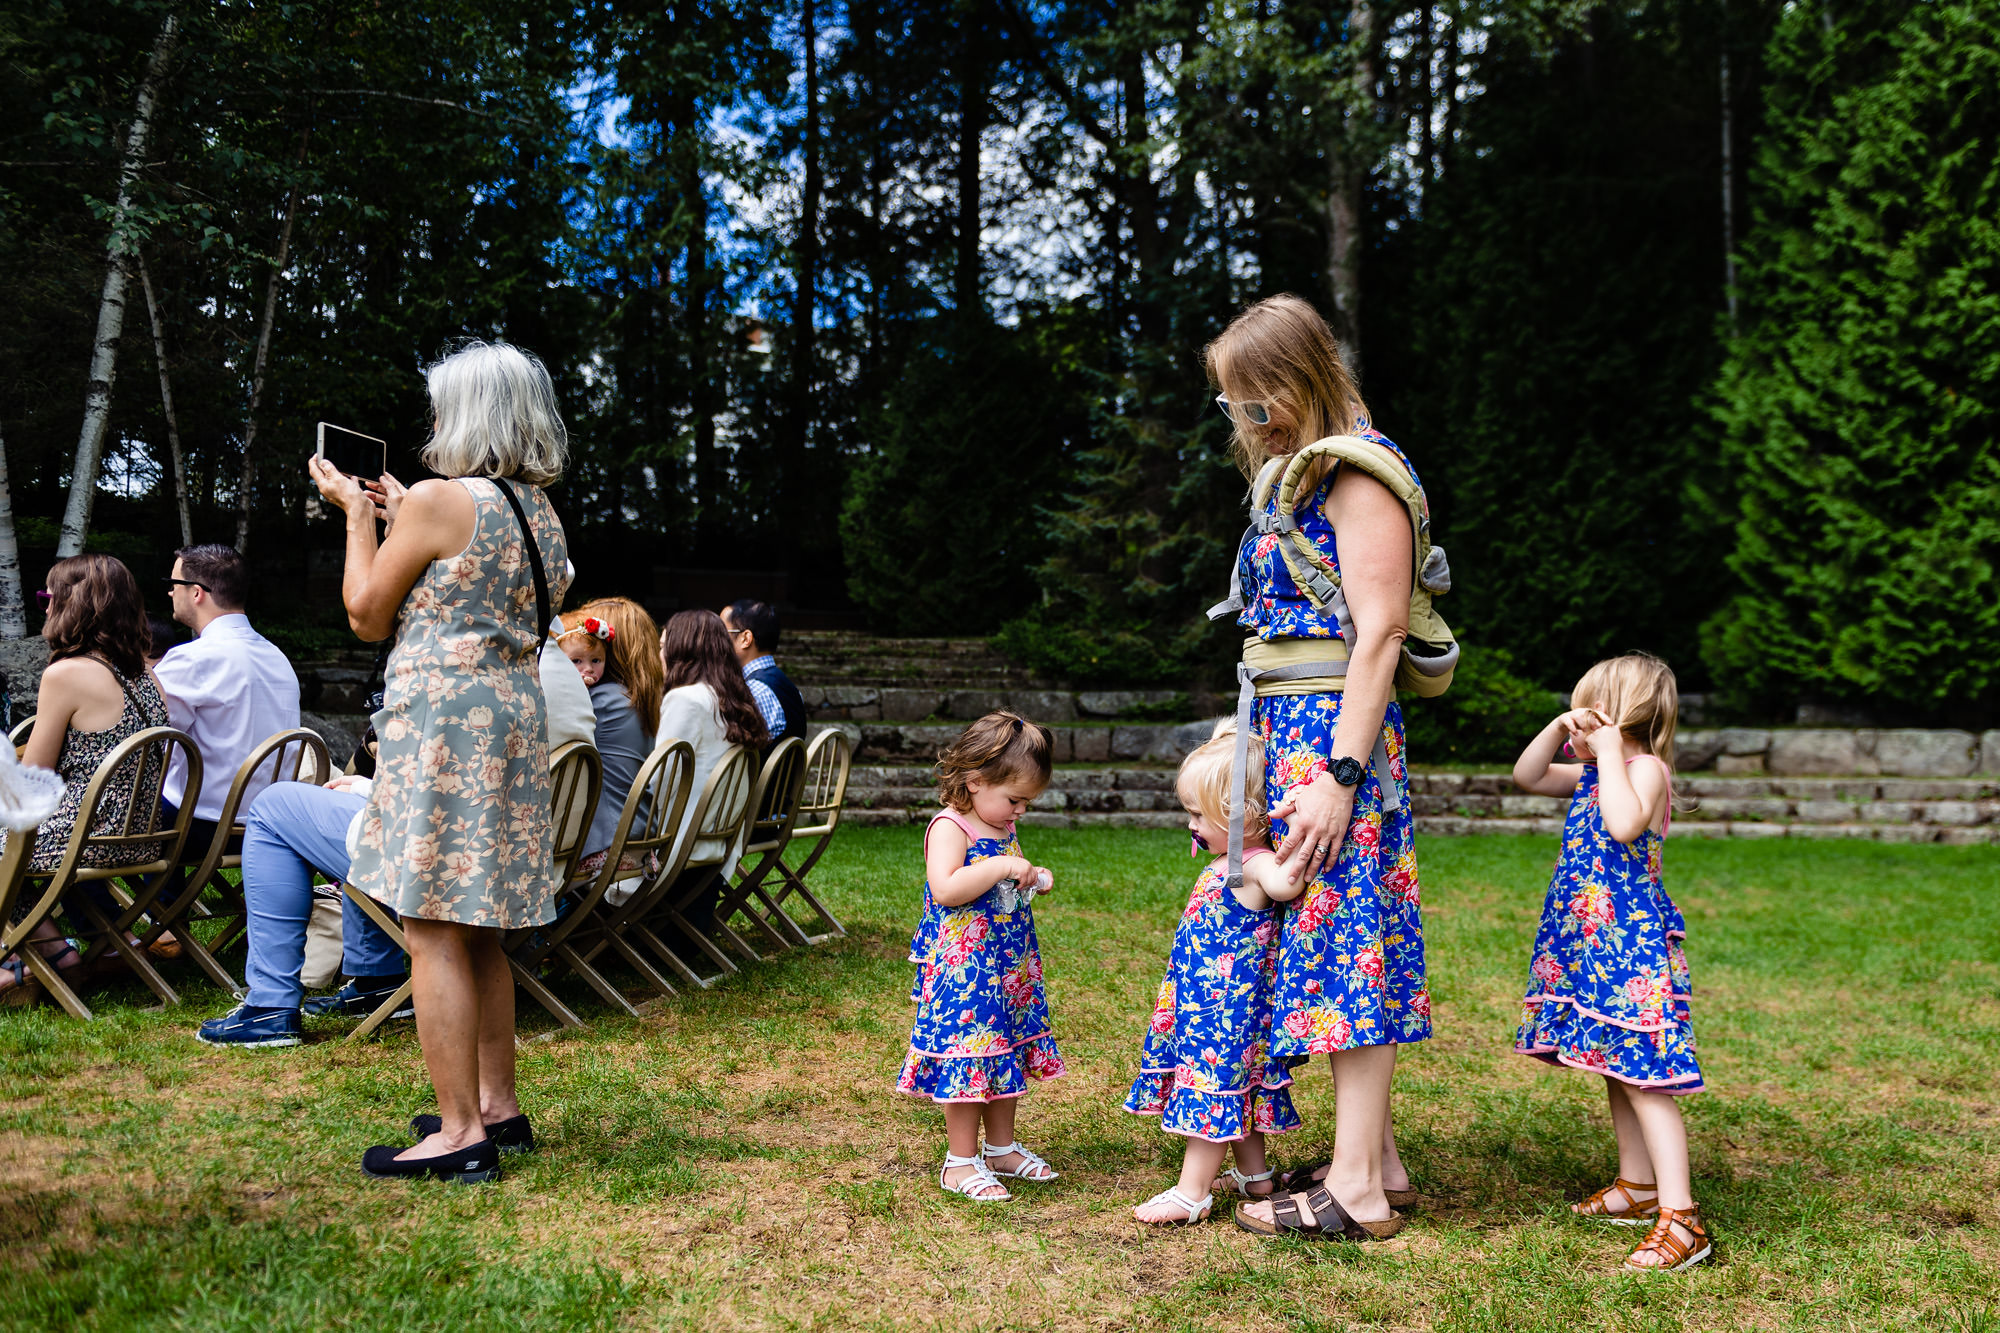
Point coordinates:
pixel 829 764
pixel 576 784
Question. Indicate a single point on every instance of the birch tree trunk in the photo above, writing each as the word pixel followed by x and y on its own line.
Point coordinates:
pixel 167 402
pixel 1347 159
pixel 249 477
pixel 111 305
pixel 13 618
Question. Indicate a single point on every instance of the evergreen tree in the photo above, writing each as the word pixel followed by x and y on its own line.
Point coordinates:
pixel 1860 403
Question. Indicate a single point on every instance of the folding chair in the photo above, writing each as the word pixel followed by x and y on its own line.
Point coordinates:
pixel 712 842
pixel 138 860
pixel 647 829
pixel 776 801
pixel 829 761
pixel 295 755
pixel 576 775
pixel 576 782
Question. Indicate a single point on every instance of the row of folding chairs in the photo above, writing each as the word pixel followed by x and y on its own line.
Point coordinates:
pixel 748 816
pixel 152 880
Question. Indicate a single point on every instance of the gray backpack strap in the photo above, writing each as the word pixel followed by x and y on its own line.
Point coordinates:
pixel 1247 680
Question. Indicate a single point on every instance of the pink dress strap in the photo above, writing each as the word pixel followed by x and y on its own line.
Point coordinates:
pixel 1249 852
pixel 964 826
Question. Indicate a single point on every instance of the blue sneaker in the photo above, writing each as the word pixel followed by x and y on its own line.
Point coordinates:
pixel 350 1001
pixel 251 1026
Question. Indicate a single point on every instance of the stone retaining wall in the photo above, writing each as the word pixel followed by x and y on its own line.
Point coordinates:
pixel 1907 752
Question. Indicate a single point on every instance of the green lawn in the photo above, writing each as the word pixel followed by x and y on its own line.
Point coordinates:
pixel 737 1159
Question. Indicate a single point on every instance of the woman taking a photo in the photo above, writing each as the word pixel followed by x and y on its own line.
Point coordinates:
pixel 97 694
pixel 456 837
pixel 1351 961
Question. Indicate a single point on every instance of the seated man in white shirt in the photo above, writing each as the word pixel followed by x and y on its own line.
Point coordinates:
pixel 231 688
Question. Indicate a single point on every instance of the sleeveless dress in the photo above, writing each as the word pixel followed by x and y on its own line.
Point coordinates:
pixel 982 1024
pixel 1608 989
pixel 1351 957
pixel 1205 1065
pixel 82 752
pixel 457 825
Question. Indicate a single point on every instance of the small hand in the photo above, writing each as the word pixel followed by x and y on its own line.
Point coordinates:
pixel 1607 742
pixel 1318 814
pixel 347 782
pixel 337 487
pixel 1041 879
pixel 1579 723
pixel 387 493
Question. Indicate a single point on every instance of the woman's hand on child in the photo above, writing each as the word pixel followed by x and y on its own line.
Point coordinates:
pixel 1318 814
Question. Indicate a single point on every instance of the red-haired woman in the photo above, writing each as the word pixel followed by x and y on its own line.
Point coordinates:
pixel 96 694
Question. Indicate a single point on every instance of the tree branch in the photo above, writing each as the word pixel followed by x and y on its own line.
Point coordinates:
pixel 419 101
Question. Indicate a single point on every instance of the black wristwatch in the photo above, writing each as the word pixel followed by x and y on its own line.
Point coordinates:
pixel 1347 771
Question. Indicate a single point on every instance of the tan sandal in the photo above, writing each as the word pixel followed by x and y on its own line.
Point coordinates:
pixel 1672 1253
pixel 1634 1212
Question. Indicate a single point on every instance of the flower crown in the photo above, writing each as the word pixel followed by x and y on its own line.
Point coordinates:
pixel 595 628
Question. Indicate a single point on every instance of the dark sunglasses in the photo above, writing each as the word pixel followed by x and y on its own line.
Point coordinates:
pixel 189 583
pixel 1256 413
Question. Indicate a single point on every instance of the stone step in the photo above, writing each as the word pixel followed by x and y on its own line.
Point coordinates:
pixel 955 700
pixel 1158 742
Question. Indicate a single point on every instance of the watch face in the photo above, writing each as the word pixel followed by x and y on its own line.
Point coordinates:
pixel 1347 771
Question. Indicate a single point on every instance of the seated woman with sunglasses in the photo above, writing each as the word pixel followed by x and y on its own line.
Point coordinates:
pixel 96 694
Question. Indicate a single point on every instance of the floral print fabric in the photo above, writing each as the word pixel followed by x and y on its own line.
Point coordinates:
pixel 1205 1065
pixel 1608 987
pixel 82 752
pixel 1273 605
pixel 458 823
pixel 1351 956
pixel 982 1024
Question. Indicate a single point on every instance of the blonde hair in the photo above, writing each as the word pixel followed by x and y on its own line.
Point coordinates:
pixel 1638 693
pixel 495 415
pixel 1204 787
pixel 633 655
pixel 1280 351
pixel 999 747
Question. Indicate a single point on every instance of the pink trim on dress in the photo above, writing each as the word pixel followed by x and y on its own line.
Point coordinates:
pixel 1673 1088
pixel 1667 819
pixel 1546 998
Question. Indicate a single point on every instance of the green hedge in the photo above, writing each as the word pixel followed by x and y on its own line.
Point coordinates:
pixel 1488 715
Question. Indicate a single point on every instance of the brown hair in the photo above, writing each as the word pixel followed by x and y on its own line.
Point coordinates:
pixel 999 747
pixel 1279 351
pixel 1638 693
pixel 220 569
pixel 694 650
pixel 629 659
pixel 1203 782
pixel 95 607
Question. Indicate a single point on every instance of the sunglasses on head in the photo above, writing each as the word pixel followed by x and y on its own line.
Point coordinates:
pixel 1257 414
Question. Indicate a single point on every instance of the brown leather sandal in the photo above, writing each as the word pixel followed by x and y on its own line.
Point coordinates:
pixel 1330 1220
pixel 1635 1212
pixel 1302 1178
pixel 1671 1252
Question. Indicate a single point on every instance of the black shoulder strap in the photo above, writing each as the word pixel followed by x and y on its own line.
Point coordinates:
pixel 535 561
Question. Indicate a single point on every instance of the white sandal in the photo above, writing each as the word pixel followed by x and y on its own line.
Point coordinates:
pixel 1197 1210
pixel 976 1185
pixel 1032 1168
pixel 1239 1184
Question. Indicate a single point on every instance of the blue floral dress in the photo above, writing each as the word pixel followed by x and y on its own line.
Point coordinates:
pixel 1351 957
pixel 1608 989
pixel 982 1025
pixel 1205 1065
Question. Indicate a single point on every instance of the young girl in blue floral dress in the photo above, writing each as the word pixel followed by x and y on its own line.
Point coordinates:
pixel 982 1025
pixel 1608 984
pixel 1205 1065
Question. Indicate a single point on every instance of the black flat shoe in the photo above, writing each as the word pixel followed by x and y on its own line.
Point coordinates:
pixel 513 1134
pixel 468 1166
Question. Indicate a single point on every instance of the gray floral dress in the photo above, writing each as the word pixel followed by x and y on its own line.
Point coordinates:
pixel 457 825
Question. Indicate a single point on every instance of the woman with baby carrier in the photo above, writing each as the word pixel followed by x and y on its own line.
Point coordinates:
pixel 1332 588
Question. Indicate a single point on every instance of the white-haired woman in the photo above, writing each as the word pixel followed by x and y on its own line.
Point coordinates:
pixel 456 836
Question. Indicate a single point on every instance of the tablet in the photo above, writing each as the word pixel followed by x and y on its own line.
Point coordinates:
pixel 356 454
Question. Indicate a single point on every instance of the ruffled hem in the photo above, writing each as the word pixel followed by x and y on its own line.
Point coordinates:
pixel 1563 1035
pixel 980 1078
pixel 1217 1117
pixel 1680 998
